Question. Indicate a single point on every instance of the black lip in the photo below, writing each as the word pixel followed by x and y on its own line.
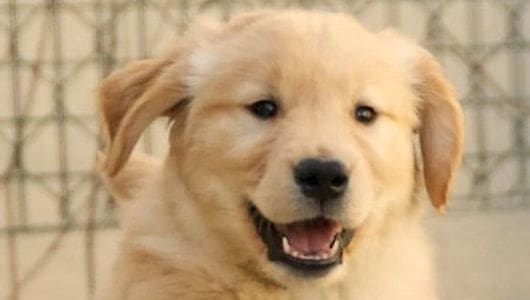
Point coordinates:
pixel 272 239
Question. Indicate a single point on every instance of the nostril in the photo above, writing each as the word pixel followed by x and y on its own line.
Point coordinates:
pixel 339 181
pixel 309 180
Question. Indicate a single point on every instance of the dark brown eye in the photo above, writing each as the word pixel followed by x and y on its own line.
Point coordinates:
pixel 365 114
pixel 264 109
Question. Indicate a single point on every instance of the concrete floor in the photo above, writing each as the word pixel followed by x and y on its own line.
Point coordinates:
pixel 483 255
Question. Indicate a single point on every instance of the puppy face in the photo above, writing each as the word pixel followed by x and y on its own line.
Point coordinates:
pixel 297 134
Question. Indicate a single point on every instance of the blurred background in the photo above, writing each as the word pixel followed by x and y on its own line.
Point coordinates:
pixel 58 231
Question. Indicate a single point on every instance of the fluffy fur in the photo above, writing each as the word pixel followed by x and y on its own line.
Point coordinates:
pixel 187 231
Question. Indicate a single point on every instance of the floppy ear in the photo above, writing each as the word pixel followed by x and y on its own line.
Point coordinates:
pixel 130 99
pixel 441 129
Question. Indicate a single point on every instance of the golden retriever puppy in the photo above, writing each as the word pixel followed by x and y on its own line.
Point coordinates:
pixel 294 169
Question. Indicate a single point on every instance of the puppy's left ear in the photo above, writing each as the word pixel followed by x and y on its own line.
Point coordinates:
pixel 131 98
pixel 441 117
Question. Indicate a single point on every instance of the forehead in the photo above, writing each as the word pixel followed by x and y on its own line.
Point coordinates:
pixel 296 56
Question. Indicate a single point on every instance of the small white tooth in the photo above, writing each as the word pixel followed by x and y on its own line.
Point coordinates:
pixel 295 253
pixel 334 247
pixel 285 244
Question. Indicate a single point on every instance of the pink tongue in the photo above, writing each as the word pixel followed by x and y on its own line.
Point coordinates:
pixel 310 237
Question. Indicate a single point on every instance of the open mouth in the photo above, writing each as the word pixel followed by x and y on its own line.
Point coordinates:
pixel 308 245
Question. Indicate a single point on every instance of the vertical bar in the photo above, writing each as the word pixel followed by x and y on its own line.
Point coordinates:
pixel 515 36
pixel 432 34
pixel 60 111
pixel 102 37
pixel 481 178
pixel 18 154
pixel 184 10
pixel 227 9
pixel 142 29
pixel 393 13
pixel 90 241
pixel 108 57
pixel 18 172
pixel 143 53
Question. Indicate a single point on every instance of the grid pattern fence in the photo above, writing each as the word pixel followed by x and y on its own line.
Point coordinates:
pixel 53 53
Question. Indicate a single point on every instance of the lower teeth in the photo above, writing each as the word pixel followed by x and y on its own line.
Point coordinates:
pixel 287 249
pixel 334 246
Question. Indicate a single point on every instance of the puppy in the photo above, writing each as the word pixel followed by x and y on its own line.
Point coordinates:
pixel 294 169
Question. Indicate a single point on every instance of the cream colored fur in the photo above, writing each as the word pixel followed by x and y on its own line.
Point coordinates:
pixel 186 229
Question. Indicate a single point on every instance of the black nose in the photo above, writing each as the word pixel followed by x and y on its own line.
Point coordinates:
pixel 321 179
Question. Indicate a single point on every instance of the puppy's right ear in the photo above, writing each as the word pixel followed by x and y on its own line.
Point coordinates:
pixel 442 122
pixel 130 99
